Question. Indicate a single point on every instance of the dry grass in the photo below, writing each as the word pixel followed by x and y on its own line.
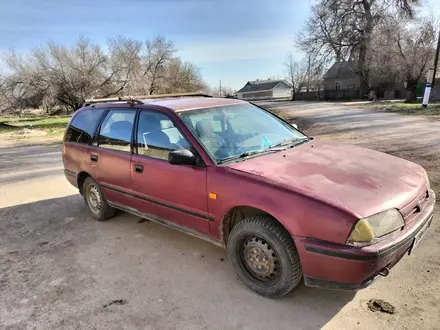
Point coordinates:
pixel 49 124
pixel 413 109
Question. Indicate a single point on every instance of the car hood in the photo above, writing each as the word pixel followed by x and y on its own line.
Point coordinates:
pixel 358 180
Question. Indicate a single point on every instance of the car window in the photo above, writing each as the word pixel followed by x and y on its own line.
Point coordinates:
pixel 116 129
pixel 239 129
pixel 207 116
pixel 83 126
pixel 157 135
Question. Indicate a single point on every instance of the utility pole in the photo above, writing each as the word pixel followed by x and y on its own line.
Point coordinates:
pixel 436 58
pixel 220 89
pixel 431 76
pixel 308 76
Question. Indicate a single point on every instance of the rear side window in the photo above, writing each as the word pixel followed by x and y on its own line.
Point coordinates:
pixel 83 126
pixel 116 130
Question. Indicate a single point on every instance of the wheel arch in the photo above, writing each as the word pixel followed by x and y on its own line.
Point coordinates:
pixel 237 214
pixel 80 178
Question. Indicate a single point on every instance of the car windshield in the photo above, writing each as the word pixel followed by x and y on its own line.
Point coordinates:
pixel 238 131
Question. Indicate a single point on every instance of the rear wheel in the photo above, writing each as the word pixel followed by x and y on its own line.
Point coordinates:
pixel 95 200
pixel 264 256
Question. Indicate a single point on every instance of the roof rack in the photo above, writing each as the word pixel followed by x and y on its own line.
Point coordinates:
pixel 138 99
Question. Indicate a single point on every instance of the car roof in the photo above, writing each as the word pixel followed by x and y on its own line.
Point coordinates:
pixel 192 103
pixel 176 104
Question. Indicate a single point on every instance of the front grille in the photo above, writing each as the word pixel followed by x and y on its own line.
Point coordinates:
pixel 411 211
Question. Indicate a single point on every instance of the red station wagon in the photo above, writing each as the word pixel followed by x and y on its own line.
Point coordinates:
pixel 286 206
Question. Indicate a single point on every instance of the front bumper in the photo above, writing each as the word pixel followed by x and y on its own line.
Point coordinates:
pixel 345 267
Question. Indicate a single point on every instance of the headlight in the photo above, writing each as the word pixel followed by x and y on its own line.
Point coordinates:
pixel 428 185
pixel 372 228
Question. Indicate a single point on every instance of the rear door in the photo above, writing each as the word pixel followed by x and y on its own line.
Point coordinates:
pixel 171 193
pixel 111 155
pixel 78 138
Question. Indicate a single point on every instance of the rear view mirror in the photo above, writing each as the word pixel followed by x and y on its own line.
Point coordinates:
pixel 181 157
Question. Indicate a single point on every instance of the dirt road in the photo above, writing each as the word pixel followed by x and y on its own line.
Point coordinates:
pixel 59 269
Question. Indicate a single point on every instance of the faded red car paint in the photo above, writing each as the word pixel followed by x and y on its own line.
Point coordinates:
pixel 317 191
pixel 352 179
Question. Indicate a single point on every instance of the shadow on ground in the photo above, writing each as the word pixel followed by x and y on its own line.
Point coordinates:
pixel 59 268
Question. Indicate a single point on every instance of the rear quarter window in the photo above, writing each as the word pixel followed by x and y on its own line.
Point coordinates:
pixel 83 126
pixel 116 130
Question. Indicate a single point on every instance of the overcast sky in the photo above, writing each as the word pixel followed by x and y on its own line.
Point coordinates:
pixel 231 40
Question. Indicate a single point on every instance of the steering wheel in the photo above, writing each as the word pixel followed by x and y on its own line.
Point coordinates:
pixel 256 141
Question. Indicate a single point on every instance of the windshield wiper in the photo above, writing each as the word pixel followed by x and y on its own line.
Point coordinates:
pixel 287 142
pixel 248 153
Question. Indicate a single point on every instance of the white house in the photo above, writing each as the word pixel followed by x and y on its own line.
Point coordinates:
pixel 265 89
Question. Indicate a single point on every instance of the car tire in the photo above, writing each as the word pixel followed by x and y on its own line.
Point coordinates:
pixel 96 202
pixel 264 256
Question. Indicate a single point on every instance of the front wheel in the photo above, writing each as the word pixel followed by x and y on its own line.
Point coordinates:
pixel 264 256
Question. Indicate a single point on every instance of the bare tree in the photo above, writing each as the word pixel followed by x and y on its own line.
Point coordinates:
pixel 407 47
pixel 65 75
pixel 55 75
pixel 181 77
pixel 227 91
pixel 296 74
pixel 342 29
pixel 305 73
pixel 326 35
pixel 273 77
pixel 415 46
pixel 159 53
pixel 23 86
pixel 125 58
pixel 6 103
pixel 158 70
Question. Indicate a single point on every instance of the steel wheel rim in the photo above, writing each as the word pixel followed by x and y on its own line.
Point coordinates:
pixel 94 199
pixel 260 260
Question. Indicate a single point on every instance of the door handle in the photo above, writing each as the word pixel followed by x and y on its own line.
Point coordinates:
pixel 94 158
pixel 138 168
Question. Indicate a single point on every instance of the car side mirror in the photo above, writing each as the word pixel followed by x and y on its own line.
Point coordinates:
pixel 294 126
pixel 182 157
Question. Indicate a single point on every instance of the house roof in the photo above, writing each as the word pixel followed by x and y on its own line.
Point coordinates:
pixel 262 85
pixel 345 69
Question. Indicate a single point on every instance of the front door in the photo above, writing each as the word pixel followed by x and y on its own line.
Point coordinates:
pixel 170 193
pixel 112 155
